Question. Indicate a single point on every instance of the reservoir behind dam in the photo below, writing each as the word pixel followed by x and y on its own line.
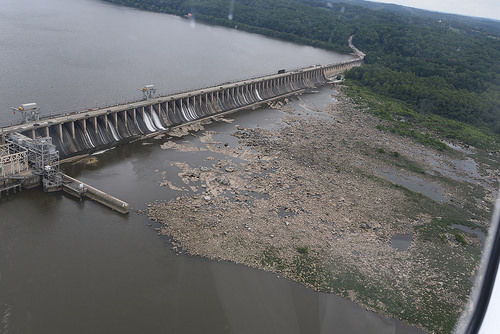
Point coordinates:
pixel 78 54
pixel 76 267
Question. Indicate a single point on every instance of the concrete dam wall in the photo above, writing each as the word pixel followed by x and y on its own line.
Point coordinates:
pixel 91 130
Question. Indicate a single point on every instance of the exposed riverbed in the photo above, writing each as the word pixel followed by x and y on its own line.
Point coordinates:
pixel 303 195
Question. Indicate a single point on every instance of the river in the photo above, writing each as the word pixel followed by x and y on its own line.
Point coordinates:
pixel 77 267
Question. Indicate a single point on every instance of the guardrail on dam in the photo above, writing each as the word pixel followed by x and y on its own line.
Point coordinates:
pixel 90 130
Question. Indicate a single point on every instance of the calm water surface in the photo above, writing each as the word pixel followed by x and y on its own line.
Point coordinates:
pixel 69 55
pixel 77 267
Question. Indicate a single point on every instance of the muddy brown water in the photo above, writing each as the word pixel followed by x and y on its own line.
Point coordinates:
pixel 76 267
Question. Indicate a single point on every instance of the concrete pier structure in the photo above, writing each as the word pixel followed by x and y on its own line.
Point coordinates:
pixel 82 190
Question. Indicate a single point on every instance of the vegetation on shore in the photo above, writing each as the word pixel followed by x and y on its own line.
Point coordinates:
pixel 426 128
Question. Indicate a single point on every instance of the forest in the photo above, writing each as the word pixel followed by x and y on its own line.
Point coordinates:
pixel 441 64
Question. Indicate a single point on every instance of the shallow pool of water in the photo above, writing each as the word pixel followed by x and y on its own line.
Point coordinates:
pixel 401 242
pixel 476 232
pixel 430 189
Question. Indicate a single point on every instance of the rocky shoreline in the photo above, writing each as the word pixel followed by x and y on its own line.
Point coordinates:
pixel 309 200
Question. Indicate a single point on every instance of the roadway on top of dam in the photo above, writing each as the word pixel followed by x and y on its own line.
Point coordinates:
pixel 96 112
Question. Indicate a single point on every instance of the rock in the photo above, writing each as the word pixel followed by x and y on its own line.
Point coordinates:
pixel 287 223
pixel 204 169
pixel 366 225
pixel 92 161
pixel 229 169
pixel 222 181
pixel 450 237
pixel 207 198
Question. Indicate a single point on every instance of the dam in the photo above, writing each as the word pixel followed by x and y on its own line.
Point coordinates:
pixel 71 266
pixel 32 149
